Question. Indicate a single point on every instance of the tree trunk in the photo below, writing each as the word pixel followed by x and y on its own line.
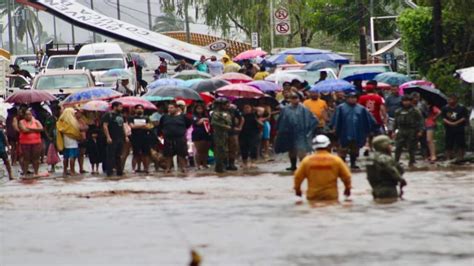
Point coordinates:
pixel 362 33
pixel 31 38
pixel 437 28
pixel 186 21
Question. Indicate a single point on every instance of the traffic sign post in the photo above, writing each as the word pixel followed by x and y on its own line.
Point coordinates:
pixel 255 40
pixel 282 21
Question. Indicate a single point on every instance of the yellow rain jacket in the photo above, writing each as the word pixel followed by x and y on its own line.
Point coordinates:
pixel 230 66
pixel 67 125
pixel 322 170
pixel 291 60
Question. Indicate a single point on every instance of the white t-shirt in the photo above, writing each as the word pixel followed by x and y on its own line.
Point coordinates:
pixel 70 143
pixel 215 67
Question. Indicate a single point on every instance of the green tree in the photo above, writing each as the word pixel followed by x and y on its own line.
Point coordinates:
pixel 168 22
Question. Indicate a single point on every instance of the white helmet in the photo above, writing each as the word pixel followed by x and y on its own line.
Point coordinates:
pixel 321 142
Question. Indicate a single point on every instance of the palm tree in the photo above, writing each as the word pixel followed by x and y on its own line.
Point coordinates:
pixel 26 21
pixel 168 22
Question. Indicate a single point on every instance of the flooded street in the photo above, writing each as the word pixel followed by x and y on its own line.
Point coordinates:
pixel 249 220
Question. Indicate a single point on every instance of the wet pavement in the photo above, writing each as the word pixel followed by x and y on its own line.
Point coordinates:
pixel 249 219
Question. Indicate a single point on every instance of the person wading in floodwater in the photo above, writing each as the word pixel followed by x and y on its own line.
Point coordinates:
pixel 322 170
pixel 383 172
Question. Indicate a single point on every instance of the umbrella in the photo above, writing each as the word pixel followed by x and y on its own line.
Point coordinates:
pixel 282 77
pixel 209 85
pixel 165 55
pixel 306 55
pixel 380 85
pixel 430 94
pixel 207 97
pixel 319 64
pixel 239 90
pixel 98 93
pixel 265 100
pixel 191 82
pixel 138 59
pixel 392 78
pixel 118 73
pixel 466 74
pixel 172 92
pixel 165 82
pixel 99 106
pixel 331 85
pixel 30 96
pixel 191 74
pixel 415 83
pixel 233 77
pixel 361 76
pixel 132 101
pixel 265 86
pixel 250 54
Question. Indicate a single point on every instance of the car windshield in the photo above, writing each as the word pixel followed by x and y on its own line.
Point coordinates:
pixel 62 82
pixel 351 70
pixel 101 65
pixel 61 62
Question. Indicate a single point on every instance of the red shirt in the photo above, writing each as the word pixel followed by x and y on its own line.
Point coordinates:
pixel 373 102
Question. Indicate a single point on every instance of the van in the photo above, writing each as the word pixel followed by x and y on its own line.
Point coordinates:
pixel 101 57
pixel 349 70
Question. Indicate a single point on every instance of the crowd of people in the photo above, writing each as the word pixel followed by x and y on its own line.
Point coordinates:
pixel 223 132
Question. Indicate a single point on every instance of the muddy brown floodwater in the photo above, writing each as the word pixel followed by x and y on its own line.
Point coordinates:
pixel 248 220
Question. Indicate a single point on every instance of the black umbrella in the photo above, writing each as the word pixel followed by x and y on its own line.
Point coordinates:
pixel 173 92
pixel 265 100
pixel 209 85
pixel 429 94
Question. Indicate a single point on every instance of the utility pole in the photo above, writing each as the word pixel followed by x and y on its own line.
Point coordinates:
pixel 272 33
pixel 437 28
pixel 73 34
pixel 94 37
pixel 118 9
pixel 10 27
pixel 150 22
pixel 372 25
pixel 38 27
pixel 186 21
pixel 362 33
pixel 55 30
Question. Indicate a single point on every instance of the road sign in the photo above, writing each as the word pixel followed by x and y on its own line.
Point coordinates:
pixel 254 39
pixel 283 28
pixel 218 46
pixel 282 21
pixel 281 13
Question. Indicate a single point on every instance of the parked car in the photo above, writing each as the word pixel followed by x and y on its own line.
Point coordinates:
pixel 101 57
pixel 349 70
pixel 310 76
pixel 61 62
pixel 61 83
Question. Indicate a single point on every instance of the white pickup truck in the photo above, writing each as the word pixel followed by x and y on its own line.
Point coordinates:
pixel 9 83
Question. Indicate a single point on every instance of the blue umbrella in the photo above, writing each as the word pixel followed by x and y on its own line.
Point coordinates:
pixel 361 76
pixel 331 85
pixel 392 78
pixel 191 82
pixel 98 93
pixel 319 64
pixel 118 73
pixel 173 92
pixel 303 55
pixel 138 59
pixel 165 82
pixel 165 55
pixel 265 86
pixel 333 57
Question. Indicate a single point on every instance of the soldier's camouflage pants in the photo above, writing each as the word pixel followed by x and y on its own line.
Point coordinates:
pixel 221 147
pixel 406 139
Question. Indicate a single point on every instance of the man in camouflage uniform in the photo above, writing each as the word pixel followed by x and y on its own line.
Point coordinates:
pixel 409 122
pixel 221 123
pixel 383 173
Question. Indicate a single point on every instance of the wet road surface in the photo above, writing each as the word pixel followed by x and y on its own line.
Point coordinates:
pixel 247 220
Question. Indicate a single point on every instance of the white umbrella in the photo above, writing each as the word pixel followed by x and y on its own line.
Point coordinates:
pixel 282 77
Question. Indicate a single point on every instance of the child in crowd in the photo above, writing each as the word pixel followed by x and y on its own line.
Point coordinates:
pixel 94 152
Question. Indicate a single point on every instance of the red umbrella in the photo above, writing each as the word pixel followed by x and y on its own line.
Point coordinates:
pixel 233 77
pixel 30 96
pixel 131 101
pixel 240 91
pixel 380 85
pixel 207 97
pixel 250 54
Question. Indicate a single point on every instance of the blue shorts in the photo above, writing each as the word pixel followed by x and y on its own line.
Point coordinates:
pixel 71 153
pixel 266 130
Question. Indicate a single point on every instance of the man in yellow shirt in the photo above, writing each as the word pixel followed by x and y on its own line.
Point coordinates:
pixel 261 74
pixel 318 107
pixel 322 169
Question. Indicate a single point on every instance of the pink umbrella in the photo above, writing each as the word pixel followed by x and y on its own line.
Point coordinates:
pixel 239 91
pixel 415 83
pixel 250 54
pixel 99 106
pixel 131 101
pixel 234 77
pixel 30 96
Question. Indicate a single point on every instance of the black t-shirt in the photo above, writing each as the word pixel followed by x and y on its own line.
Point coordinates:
pixel 138 133
pixel 115 125
pixel 199 131
pixel 453 114
pixel 174 126
pixel 236 119
pixel 250 126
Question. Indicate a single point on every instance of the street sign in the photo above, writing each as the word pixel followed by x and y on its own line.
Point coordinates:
pixel 282 21
pixel 218 45
pixel 255 39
